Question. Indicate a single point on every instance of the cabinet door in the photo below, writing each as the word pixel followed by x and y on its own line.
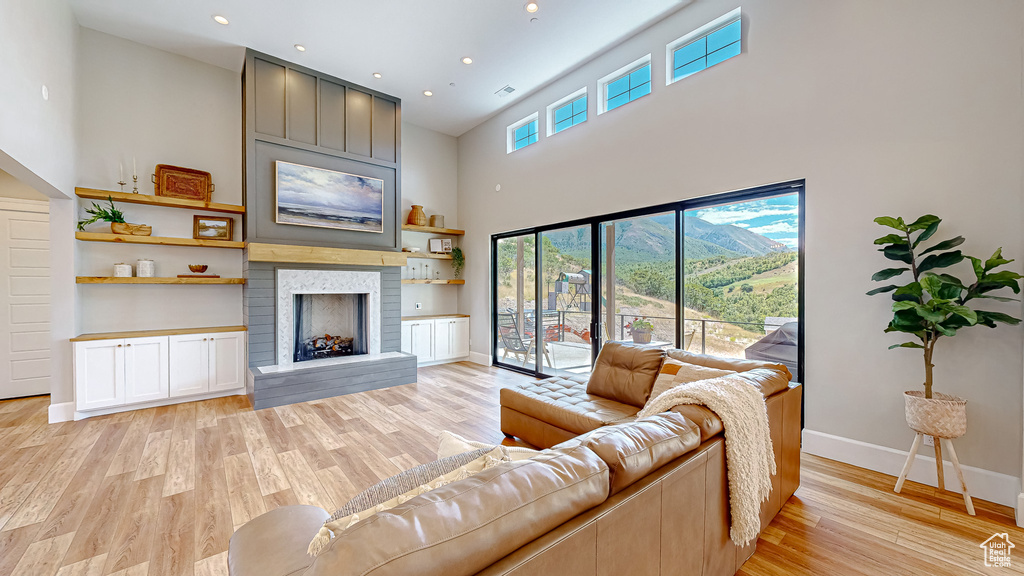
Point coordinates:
pixel 190 364
pixel 460 337
pixel 226 361
pixel 442 339
pixel 99 374
pixel 145 369
pixel 421 340
pixel 407 337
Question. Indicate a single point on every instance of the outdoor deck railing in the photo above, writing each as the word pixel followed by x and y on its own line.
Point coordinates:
pixel 622 321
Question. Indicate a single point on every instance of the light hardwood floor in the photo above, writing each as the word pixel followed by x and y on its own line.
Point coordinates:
pixel 160 491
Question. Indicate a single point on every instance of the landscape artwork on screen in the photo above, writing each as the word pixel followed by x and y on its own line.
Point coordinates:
pixel 308 196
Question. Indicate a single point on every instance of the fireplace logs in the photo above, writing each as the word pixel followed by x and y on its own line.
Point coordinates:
pixel 327 346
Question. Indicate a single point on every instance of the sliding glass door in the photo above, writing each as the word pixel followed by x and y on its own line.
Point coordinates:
pixel 741 273
pixel 638 286
pixel 567 301
pixel 718 275
pixel 516 298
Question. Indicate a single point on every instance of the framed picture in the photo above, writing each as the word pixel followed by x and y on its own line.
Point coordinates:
pixel 440 245
pixel 212 228
pixel 308 196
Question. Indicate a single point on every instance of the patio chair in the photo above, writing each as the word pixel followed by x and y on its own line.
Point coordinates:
pixel 512 342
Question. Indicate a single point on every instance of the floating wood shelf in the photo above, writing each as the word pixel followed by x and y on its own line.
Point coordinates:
pixel 151 200
pixel 151 333
pixel 157 240
pixel 459 282
pixel 433 230
pixel 428 256
pixel 137 280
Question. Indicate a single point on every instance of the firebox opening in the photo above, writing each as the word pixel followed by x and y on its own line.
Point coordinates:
pixel 329 325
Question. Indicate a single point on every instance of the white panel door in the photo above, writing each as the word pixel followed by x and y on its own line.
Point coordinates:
pixel 442 339
pixel 226 361
pixel 460 337
pixel 421 340
pixel 24 298
pixel 99 374
pixel 190 364
pixel 146 369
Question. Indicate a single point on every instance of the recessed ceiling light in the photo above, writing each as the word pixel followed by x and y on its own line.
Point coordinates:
pixel 376 74
pixel 532 7
pixel 428 93
pixel 467 60
pixel 220 20
pixel 300 47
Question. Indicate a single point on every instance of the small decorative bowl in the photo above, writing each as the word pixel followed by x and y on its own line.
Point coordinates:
pixel 198 268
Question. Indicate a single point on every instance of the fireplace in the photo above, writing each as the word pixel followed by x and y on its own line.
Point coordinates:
pixel 327 316
pixel 329 326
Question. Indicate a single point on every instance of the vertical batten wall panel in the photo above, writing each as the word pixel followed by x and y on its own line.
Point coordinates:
pixel 270 90
pixel 332 115
pixel 301 107
pixel 359 108
pixel 384 120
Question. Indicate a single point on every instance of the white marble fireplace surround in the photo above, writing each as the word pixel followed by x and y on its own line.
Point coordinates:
pixel 292 282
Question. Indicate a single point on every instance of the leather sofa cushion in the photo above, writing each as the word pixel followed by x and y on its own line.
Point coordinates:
pixel 565 403
pixel 734 364
pixel 274 544
pixel 635 449
pixel 461 528
pixel 706 421
pixel 625 373
pixel 768 381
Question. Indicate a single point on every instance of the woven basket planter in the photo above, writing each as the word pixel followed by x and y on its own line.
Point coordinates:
pixel 941 416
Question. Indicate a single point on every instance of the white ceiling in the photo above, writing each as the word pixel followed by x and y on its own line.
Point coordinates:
pixel 416 45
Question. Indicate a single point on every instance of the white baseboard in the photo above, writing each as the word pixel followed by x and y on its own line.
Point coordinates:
pixel 63 412
pixel 985 484
pixel 480 358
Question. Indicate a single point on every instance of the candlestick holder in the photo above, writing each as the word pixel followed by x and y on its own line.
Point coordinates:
pixel 135 181
pixel 122 183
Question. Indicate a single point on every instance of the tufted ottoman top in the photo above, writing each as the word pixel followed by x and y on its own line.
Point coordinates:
pixel 564 402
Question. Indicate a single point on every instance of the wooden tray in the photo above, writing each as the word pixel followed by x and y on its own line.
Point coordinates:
pixel 198 276
pixel 178 182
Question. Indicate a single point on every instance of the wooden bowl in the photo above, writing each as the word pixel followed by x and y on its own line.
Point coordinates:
pixel 198 268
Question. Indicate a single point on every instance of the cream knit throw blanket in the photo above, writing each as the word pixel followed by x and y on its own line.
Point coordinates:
pixel 750 460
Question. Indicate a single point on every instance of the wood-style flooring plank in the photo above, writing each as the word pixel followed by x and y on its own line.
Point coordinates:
pixel 87 498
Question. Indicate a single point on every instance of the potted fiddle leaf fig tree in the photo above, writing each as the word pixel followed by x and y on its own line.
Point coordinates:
pixel 934 304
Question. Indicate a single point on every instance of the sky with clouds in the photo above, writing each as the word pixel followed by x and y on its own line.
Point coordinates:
pixel 776 218
pixel 305 186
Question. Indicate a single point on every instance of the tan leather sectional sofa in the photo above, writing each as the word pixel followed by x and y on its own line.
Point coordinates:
pixel 613 495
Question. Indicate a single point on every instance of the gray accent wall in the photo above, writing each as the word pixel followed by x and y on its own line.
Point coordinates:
pixel 298 115
pixel 259 299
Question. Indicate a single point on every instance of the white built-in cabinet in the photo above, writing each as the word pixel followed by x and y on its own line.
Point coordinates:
pixel 436 339
pixel 124 372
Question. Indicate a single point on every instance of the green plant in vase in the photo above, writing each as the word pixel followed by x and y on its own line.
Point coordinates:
pixel 933 305
pixel 458 261
pixel 102 214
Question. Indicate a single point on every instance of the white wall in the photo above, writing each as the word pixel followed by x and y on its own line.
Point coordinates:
pixel 898 108
pixel 430 179
pixel 11 187
pixel 161 108
pixel 37 143
pixel 37 48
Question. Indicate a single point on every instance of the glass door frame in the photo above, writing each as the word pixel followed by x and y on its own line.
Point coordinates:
pixel 679 207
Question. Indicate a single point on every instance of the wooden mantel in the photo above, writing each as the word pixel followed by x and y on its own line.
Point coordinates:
pixel 259 252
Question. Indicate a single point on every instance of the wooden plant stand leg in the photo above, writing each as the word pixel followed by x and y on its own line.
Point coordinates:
pixel 960 475
pixel 938 463
pixel 910 461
